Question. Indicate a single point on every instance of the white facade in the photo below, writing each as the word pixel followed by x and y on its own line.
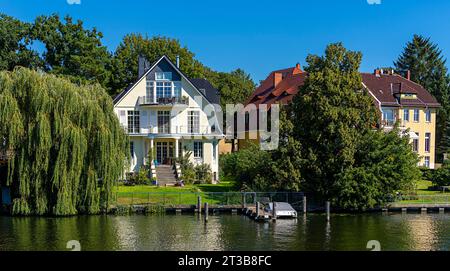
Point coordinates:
pixel 165 112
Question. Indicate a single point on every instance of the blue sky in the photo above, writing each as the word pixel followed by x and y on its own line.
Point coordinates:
pixel 259 36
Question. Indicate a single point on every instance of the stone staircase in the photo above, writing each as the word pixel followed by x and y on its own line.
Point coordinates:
pixel 165 174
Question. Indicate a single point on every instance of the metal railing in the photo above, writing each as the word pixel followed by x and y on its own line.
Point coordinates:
pixel 150 100
pixel 213 198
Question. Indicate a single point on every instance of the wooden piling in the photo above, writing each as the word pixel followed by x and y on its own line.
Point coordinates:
pixel 327 208
pixel 304 204
pixel 274 210
pixel 244 204
pixel 199 204
pixel 206 212
pixel 257 210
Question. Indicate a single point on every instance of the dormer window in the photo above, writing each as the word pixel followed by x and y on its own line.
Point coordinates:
pixel 163 76
pixel 409 96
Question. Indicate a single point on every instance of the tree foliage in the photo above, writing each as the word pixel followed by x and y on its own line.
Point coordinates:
pixel 67 142
pixel 344 159
pixel 14 44
pixel 427 65
pixel 72 50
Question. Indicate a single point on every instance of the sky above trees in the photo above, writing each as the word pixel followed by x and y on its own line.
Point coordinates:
pixel 259 36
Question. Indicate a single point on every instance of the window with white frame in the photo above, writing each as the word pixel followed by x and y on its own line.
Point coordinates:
pixel 428 115
pixel 164 122
pixel 415 143
pixel 133 122
pixel 198 149
pixel 406 114
pixel 193 122
pixel 163 89
pixel 427 142
pixel 177 89
pixel 427 161
pixel 163 76
pixel 416 115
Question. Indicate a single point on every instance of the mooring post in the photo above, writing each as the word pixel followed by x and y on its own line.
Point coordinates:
pixel 327 208
pixel 257 210
pixel 206 212
pixel 199 204
pixel 243 201
pixel 274 210
pixel 304 204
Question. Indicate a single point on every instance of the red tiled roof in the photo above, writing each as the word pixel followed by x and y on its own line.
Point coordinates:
pixel 385 88
pixel 292 79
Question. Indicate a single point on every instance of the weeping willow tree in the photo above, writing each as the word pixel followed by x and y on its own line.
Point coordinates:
pixel 66 142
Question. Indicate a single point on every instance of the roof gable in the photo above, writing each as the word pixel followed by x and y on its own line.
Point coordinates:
pixel 165 64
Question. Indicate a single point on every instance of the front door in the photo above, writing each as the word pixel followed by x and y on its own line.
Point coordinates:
pixel 164 152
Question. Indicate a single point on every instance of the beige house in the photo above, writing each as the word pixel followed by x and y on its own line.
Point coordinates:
pixel 169 114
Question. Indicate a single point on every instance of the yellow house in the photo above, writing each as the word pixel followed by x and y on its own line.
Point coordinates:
pixel 402 101
pixel 398 99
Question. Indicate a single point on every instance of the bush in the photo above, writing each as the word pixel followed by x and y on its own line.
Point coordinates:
pixel 441 176
pixel 140 178
pixel 203 173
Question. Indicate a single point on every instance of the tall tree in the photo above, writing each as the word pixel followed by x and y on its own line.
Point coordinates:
pixel 15 43
pixel 334 119
pixel 72 50
pixel 426 63
pixel 67 146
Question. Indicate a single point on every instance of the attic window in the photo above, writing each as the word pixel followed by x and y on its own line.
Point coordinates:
pixel 408 96
pixel 163 76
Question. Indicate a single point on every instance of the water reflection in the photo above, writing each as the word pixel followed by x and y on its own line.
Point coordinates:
pixel 227 232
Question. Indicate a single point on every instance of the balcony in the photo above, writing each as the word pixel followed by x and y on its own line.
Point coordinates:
pixel 165 101
pixel 173 130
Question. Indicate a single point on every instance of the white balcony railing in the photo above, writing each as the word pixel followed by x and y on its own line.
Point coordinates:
pixel 150 100
pixel 177 129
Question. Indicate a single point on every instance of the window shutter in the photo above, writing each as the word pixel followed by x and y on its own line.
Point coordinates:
pixel 123 118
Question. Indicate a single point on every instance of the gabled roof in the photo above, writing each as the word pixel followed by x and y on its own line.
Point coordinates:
pixel 207 95
pixel 212 94
pixel 291 80
pixel 387 87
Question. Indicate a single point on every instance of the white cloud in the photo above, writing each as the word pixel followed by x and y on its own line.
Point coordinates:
pixel 374 2
pixel 74 2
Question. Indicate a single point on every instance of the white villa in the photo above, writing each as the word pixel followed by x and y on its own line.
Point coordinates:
pixel 171 114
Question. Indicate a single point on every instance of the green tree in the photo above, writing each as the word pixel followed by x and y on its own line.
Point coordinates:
pixel 68 145
pixel 72 50
pixel 15 43
pixel 344 159
pixel 331 115
pixel 235 87
pixel 426 63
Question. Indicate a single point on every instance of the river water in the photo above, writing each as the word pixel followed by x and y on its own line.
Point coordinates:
pixel 227 232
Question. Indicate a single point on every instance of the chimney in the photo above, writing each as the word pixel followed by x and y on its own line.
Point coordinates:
pixel 377 72
pixel 277 77
pixel 408 74
pixel 297 69
pixel 178 61
pixel 143 65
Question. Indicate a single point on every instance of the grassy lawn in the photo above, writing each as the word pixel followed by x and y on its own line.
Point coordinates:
pixel 142 194
pixel 427 196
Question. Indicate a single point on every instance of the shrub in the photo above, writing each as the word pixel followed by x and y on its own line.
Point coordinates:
pixel 203 173
pixel 441 176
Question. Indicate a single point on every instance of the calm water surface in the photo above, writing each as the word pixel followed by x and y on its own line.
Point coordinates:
pixel 227 232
